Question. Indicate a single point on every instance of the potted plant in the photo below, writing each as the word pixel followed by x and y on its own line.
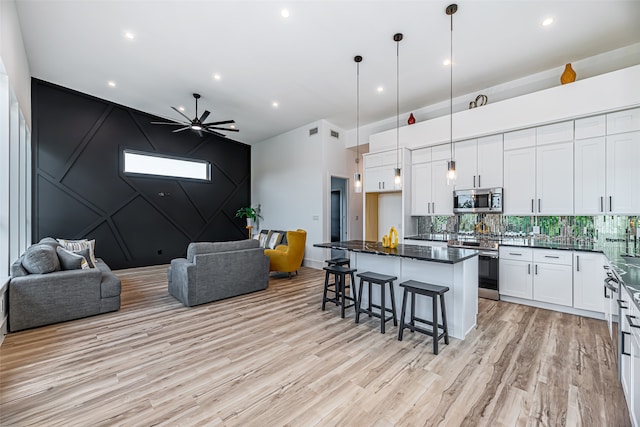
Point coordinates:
pixel 250 213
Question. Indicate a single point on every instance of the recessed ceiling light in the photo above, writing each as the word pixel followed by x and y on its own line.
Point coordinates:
pixel 129 35
pixel 284 13
pixel 216 76
pixel 181 108
pixel 446 62
pixel 275 104
pixel 547 22
pixel 380 89
pixel 111 83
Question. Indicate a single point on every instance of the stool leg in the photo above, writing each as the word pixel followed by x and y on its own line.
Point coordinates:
pixel 435 324
pixel 370 298
pixel 444 320
pixel 359 305
pixel 404 305
pixel 336 286
pixel 393 304
pixel 354 295
pixel 383 309
pixel 324 294
pixel 412 322
pixel 342 279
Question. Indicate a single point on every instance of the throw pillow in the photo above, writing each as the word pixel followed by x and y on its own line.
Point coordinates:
pixel 76 245
pixel 263 240
pixel 274 239
pixel 49 241
pixel 71 260
pixel 40 259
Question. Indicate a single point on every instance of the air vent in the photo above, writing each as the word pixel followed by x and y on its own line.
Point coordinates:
pixel 313 131
pixel 335 134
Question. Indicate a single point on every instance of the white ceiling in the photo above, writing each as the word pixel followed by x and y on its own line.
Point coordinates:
pixel 305 62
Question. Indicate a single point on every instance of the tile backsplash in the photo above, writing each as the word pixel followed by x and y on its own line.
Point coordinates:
pixel 564 229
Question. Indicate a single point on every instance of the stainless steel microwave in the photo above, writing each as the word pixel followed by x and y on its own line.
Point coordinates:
pixel 478 200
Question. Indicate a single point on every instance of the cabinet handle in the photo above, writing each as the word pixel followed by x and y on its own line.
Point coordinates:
pixel 433 207
pixel 478 181
pixel 428 207
pixel 531 205
pixel 622 307
pixel 610 203
pixel 512 253
pixel 605 292
pixel 622 351
pixel 577 262
pixel 528 268
pixel 474 181
pixel 539 209
pixel 601 204
pixel 551 256
pixel 631 324
pixel 536 269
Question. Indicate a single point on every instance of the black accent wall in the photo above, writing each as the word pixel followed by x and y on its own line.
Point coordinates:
pixel 79 190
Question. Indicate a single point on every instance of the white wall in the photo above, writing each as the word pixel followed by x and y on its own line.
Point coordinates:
pixel 291 180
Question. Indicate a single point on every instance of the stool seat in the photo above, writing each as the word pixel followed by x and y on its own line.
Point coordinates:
pixel 338 261
pixel 424 288
pixel 379 279
pixel 370 276
pixel 339 286
pixel 414 288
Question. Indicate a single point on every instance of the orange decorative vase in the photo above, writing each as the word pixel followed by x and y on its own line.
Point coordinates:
pixel 568 76
pixel 411 120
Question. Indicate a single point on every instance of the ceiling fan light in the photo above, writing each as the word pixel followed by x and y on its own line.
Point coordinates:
pixel 196 127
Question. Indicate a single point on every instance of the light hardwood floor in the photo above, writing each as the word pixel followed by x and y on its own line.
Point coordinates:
pixel 274 358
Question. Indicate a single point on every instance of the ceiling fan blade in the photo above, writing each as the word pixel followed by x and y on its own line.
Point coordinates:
pixel 224 122
pixel 204 116
pixel 182 114
pixel 181 129
pixel 225 129
pixel 214 132
pixel 169 123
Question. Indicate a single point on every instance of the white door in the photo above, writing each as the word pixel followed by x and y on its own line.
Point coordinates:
pixel 554 179
pixel 519 181
pixel 516 279
pixel 490 155
pixel 466 164
pixel 442 194
pixel 588 279
pixel 553 283
pixel 623 173
pixel 420 189
pixel 589 176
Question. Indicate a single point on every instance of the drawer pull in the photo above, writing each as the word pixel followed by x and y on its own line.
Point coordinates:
pixel 622 350
pixel 512 253
pixel 631 324
pixel 551 256
pixel 621 306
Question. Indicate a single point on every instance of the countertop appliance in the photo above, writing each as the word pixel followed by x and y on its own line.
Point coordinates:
pixel 487 200
pixel 488 265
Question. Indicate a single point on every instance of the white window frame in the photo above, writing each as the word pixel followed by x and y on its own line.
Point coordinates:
pixel 163 163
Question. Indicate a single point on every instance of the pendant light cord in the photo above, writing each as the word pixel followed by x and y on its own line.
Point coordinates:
pixel 358 117
pixel 451 88
pixel 398 104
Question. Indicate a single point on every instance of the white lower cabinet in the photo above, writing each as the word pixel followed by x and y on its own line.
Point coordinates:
pixel 588 281
pixel 515 266
pixel 626 356
pixel 634 403
pixel 552 277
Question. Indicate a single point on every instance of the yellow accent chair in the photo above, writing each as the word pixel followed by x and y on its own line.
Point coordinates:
pixel 288 258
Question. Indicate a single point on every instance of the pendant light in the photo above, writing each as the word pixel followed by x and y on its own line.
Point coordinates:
pixel 397 171
pixel 357 178
pixel 451 164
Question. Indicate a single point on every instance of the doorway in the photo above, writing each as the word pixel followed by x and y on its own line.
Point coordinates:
pixel 338 229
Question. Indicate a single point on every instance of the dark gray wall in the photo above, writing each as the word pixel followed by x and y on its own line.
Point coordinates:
pixel 79 190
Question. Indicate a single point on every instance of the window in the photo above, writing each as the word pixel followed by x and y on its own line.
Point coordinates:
pixel 137 162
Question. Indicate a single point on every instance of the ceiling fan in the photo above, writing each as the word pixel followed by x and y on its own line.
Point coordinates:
pixel 198 124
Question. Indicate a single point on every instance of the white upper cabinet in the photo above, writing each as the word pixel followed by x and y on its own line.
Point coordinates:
pixel 551 134
pixel 589 175
pixel 554 179
pixel 430 194
pixel 421 189
pixel 379 174
pixel 519 181
pixel 479 163
pixel 520 139
pixel 623 121
pixel 623 174
pixel 590 127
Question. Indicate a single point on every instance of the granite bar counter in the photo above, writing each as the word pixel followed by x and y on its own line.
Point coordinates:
pixel 455 268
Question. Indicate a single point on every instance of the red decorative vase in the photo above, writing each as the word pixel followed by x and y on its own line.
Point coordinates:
pixel 412 119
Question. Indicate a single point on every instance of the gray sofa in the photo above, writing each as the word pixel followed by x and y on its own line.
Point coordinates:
pixel 61 295
pixel 218 270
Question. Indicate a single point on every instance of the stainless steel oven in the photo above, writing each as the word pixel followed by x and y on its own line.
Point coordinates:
pixel 488 266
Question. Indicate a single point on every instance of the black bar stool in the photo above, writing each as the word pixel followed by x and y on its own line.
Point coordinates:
pixel 419 288
pixel 339 287
pixel 343 262
pixel 382 280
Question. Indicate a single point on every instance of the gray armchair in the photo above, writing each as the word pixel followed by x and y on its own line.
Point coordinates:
pixel 218 270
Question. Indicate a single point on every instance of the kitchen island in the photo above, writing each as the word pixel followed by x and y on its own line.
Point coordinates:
pixel 455 268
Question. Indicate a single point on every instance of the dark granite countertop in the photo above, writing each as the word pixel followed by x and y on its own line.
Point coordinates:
pixel 431 237
pixel 422 253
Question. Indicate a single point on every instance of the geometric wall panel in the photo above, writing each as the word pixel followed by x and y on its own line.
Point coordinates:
pixel 80 191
